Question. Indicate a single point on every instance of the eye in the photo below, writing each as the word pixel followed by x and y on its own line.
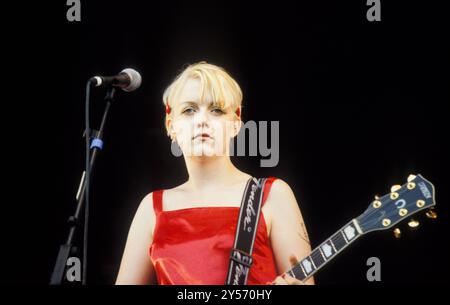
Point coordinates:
pixel 217 110
pixel 188 110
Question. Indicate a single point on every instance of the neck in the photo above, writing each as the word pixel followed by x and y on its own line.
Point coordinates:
pixel 211 172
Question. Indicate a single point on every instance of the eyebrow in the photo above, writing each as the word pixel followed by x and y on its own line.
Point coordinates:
pixel 195 102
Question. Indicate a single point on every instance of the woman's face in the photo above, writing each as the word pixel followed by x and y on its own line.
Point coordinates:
pixel 199 127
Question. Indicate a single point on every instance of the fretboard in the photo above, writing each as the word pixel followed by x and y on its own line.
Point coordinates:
pixel 326 251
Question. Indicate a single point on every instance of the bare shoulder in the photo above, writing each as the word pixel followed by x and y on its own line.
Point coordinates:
pixel 281 194
pixel 280 186
pixel 146 204
pixel 176 190
pixel 281 201
pixel 145 214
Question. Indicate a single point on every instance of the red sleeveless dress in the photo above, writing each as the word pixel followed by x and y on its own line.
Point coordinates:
pixel 192 246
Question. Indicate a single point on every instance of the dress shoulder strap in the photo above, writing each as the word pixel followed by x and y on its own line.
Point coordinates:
pixel 267 188
pixel 157 201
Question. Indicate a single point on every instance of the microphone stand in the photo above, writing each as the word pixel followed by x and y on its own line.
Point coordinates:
pixel 67 248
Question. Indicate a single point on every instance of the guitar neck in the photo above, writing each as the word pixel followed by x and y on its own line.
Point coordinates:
pixel 326 251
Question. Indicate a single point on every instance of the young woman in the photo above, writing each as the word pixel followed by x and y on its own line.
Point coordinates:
pixel 184 235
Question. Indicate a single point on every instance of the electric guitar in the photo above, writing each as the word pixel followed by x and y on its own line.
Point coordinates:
pixel 383 213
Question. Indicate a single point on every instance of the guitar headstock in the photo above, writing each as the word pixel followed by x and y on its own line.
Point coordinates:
pixel 401 203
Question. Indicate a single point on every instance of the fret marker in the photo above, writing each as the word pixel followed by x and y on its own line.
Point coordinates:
pixel 307 265
pixel 327 250
pixel 349 232
pixel 332 244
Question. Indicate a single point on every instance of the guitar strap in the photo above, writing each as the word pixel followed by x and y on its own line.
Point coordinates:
pixel 241 254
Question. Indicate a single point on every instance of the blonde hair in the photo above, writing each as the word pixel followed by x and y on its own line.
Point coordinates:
pixel 224 90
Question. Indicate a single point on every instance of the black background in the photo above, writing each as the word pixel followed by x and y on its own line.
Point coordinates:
pixel 361 105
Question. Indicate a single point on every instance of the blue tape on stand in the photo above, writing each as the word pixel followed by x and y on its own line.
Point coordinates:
pixel 97 143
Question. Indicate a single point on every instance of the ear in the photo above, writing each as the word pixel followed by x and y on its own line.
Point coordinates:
pixel 169 126
pixel 237 124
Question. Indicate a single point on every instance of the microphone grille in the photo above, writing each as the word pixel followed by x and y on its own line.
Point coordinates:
pixel 135 79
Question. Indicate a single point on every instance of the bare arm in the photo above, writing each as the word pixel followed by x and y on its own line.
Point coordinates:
pixel 288 232
pixel 136 267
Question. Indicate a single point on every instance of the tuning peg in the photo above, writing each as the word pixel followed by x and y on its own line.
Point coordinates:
pixel 431 213
pixel 413 223
pixel 397 233
pixel 411 177
pixel 395 187
pixel 377 197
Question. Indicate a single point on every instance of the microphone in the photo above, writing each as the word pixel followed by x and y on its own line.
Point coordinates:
pixel 127 79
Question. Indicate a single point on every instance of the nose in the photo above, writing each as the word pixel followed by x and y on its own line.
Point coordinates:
pixel 202 118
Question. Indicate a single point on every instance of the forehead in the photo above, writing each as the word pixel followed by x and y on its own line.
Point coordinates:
pixel 191 91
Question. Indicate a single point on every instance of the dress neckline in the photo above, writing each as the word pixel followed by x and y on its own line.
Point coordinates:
pixel 232 208
pixel 199 208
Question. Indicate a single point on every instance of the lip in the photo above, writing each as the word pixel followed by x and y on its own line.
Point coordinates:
pixel 202 136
